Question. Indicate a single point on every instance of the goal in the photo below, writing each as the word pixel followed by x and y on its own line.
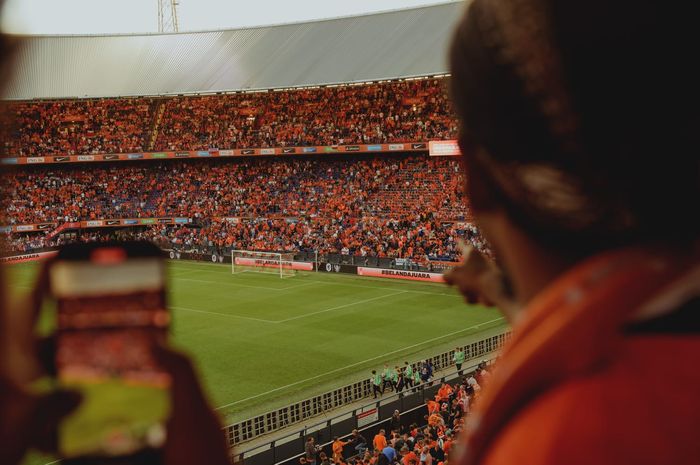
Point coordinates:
pixel 243 261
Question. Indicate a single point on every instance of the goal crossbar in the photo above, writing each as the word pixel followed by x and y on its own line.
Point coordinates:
pixel 244 261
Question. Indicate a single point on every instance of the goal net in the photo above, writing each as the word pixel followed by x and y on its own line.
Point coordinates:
pixel 281 264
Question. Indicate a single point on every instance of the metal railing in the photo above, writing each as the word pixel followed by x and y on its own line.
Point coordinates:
pixel 287 449
pixel 275 420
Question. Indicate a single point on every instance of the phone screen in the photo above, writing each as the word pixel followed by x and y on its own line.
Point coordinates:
pixel 110 312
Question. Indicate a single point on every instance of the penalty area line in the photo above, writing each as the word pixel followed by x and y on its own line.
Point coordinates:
pixel 298 317
pixel 230 315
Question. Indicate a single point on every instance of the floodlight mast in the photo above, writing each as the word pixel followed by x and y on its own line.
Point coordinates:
pixel 167 16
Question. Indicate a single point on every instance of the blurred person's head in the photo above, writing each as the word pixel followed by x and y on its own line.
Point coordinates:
pixel 576 139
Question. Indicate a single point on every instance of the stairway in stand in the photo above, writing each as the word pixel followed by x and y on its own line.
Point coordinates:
pixel 156 124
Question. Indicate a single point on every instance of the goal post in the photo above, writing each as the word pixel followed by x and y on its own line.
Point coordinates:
pixel 244 261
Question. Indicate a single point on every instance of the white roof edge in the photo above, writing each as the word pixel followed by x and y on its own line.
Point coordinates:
pixel 246 28
pixel 231 91
pixel 396 44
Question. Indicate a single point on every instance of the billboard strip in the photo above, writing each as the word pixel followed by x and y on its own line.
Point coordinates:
pixel 246 152
pixel 400 274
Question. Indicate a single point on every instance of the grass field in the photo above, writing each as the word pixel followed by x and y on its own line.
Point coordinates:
pixel 262 342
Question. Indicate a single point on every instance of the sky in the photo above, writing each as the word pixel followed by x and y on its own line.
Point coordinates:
pixel 134 16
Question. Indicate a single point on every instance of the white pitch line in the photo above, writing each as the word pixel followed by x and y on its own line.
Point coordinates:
pixel 387 288
pixel 340 306
pixel 382 356
pixel 308 283
pixel 230 315
pixel 298 317
pixel 230 284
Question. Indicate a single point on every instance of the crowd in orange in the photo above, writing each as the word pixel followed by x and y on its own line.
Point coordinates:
pixel 400 206
pixel 430 444
pixel 60 127
pixel 396 111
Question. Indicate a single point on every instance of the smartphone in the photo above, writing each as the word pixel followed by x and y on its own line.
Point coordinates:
pixel 111 311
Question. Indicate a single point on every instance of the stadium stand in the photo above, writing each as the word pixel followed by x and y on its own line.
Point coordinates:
pixel 361 205
pixel 77 126
pixel 395 111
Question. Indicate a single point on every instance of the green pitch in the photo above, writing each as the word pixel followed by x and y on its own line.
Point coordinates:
pixel 102 411
pixel 262 342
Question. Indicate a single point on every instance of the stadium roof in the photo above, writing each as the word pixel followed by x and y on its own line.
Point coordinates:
pixel 403 43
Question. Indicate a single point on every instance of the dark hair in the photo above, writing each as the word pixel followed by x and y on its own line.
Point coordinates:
pixel 581 118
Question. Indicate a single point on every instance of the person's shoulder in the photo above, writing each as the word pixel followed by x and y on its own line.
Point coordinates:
pixel 543 432
pixel 603 418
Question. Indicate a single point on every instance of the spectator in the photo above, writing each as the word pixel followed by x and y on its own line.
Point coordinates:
pixel 379 441
pixel 444 393
pixel 571 173
pixel 337 448
pixel 322 209
pixel 408 456
pixel 395 422
pixel 325 460
pixel 389 453
pixel 310 450
pixel 425 457
pixel 473 383
pixel 426 372
pixel 358 441
pixel 399 111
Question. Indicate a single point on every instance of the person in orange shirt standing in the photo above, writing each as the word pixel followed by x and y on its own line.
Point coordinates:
pixel 379 441
pixel 408 456
pixel 337 447
pixel 444 393
pixel 433 406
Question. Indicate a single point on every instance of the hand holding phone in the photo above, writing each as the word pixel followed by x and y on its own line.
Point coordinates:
pixel 110 315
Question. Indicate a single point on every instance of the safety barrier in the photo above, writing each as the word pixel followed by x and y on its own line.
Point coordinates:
pixel 368 419
pixel 281 418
